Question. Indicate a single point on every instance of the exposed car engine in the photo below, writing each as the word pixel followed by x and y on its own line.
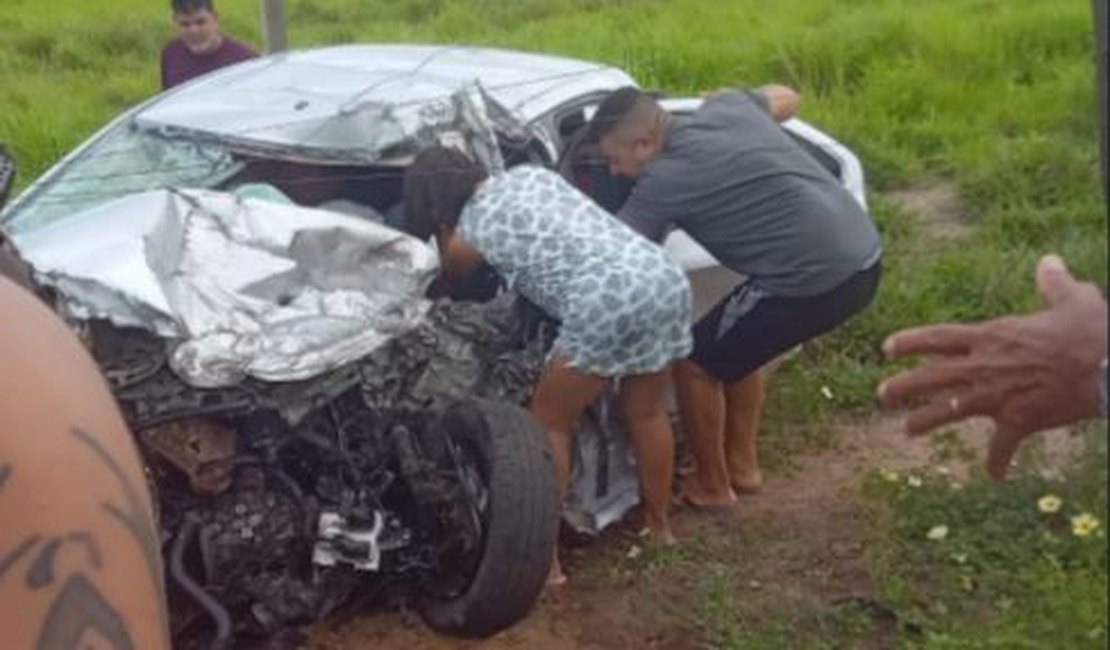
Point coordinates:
pixel 281 502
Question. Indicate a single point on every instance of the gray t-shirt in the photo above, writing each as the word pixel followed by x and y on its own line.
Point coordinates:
pixel 739 185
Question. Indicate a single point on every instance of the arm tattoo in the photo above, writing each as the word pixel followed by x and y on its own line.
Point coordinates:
pixel 79 617
pixel 133 516
pixel 41 573
pixel 8 560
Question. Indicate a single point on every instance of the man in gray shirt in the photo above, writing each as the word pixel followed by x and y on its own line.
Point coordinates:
pixel 741 187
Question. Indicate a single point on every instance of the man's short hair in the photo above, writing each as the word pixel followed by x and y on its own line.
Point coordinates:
pixel 615 109
pixel 190 6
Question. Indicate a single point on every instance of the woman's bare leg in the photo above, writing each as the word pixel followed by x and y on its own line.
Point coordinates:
pixel 646 417
pixel 561 396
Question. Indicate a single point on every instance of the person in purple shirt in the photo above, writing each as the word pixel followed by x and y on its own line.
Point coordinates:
pixel 200 46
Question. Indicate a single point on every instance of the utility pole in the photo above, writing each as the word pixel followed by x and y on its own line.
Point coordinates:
pixel 273 26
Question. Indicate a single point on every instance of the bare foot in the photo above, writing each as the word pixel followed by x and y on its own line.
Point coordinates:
pixel 747 481
pixel 659 536
pixel 556 577
pixel 694 495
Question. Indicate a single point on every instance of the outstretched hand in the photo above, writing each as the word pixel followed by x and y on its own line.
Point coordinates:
pixel 1028 373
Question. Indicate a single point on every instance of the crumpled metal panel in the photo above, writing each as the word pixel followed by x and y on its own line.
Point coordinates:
pixel 239 286
pixel 604 484
pixel 363 129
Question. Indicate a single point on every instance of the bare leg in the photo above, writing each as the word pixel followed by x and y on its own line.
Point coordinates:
pixel 561 396
pixel 744 409
pixel 646 416
pixel 701 400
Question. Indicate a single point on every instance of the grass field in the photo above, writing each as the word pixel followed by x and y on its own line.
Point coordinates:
pixel 991 104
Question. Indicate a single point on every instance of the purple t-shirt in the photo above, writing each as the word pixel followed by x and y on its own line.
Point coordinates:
pixel 180 65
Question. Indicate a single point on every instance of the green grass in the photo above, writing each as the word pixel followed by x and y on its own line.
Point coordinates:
pixel 1007 575
pixel 994 98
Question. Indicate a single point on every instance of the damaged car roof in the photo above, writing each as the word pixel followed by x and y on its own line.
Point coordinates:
pixel 264 96
pixel 352 104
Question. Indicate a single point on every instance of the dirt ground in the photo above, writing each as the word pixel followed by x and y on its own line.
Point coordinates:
pixel 811 530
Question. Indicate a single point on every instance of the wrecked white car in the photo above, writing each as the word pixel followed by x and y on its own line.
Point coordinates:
pixel 317 430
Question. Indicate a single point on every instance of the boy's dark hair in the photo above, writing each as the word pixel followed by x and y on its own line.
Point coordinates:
pixel 437 186
pixel 614 109
pixel 189 6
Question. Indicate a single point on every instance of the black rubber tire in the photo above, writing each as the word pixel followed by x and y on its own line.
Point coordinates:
pixel 522 521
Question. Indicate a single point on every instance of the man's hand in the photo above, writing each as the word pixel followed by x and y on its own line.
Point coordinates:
pixel 1027 373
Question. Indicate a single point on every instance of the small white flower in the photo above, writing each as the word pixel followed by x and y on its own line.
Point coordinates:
pixel 913 481
pixel 827 392
pixel 937 533
pixel 634 552
pixel 943 471
pixel 889 475
pixel 1049 504
pixel 960 558
pixel 1084 524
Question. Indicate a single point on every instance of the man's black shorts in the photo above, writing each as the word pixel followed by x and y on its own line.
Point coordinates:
pixel 749 327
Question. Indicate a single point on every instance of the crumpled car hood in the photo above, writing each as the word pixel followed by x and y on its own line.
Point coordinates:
pixel 238 286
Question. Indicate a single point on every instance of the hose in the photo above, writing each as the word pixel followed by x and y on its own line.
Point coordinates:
pixel 203 598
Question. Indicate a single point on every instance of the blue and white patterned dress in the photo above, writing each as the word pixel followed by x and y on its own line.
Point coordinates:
pixel 623 302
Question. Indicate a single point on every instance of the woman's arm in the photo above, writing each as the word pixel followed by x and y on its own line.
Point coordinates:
pixel 458 259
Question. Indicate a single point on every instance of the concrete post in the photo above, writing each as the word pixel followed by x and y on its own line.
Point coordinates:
pixel 273 26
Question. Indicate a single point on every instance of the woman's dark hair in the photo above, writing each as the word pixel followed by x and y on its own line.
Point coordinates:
pixel 437 186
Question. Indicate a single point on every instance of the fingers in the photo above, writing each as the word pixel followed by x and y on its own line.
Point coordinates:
pixel 1004 444
pixel 926 380
pixel 953 409
pixel 944 338
pixel 1054 281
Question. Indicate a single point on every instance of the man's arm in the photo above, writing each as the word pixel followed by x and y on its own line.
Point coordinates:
pixel 642 212
pixel 80 559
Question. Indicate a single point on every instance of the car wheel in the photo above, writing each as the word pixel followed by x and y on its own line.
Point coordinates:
pixel 506 449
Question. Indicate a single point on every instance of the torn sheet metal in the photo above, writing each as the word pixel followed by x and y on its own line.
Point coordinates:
pixel 364 129
pixel 239 286
pixel 604 484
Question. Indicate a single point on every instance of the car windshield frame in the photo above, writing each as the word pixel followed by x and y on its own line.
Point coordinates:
pixel 125 159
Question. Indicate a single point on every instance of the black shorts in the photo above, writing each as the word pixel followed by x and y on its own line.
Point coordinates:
pixel 748 327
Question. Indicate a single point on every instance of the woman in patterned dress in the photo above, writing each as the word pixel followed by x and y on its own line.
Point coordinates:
pixel 624 305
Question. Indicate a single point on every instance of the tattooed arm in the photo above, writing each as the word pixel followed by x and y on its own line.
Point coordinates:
pixel 79 557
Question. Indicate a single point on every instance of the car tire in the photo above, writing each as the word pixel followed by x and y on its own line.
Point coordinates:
pixel 521 521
